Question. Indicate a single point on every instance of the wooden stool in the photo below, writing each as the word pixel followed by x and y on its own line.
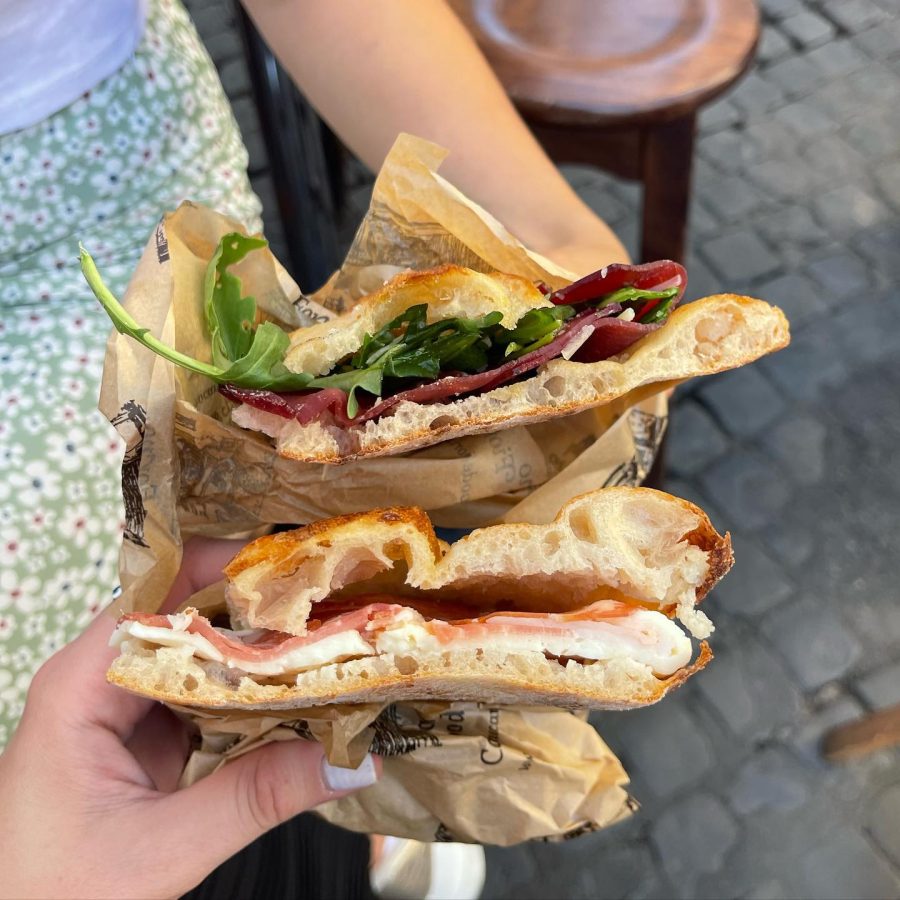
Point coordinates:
pixel 617 84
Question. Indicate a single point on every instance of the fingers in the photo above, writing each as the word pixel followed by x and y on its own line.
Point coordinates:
pixel 201 565
pixel 254 793
pixel 160 743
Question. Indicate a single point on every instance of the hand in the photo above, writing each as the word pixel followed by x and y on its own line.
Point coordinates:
pixel 88 781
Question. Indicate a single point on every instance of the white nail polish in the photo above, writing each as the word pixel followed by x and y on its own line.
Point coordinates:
pixel 337 778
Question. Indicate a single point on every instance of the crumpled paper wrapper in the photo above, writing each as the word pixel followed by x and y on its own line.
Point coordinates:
pixel 188 470
pixel 452 771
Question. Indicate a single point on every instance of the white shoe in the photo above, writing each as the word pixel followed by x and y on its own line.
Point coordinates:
pixel 411 870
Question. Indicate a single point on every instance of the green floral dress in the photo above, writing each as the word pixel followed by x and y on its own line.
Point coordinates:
pixel 101 171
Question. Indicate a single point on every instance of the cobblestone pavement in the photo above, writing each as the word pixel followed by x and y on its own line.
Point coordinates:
pixel 796 200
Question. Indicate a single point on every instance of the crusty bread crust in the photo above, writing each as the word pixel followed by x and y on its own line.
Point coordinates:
pixel 172 676
pixel 630 543
pixel 701 338
pixel 449 291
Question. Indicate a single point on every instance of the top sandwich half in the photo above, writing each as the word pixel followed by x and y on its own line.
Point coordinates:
pixel 449 352
pixel 581 611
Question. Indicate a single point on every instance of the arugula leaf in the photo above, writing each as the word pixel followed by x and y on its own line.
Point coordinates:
pixel 631 294
pixel 125 324
pixel 261 366
pixel 659 312
pixel 229 316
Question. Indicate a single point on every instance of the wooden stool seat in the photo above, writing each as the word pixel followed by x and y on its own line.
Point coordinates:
pixel 618 85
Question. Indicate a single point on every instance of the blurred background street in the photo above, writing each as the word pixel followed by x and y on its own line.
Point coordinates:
pixel 796 200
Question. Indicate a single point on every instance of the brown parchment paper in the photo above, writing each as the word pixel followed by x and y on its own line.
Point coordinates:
pixel 453 771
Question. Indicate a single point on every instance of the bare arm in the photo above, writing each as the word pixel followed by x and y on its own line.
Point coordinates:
pixel 374 69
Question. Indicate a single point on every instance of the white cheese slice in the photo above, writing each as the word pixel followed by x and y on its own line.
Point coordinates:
pixel 335 648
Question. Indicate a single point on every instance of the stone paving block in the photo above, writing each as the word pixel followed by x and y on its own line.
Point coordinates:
pixel 873 330
pixel 794 76
pixel 731 198
pixel 718 115
pixel 801 298
pixel 842 274
pixel 812 365
pixel 743 400
pixel 838 58
pixel 880 688
pixel 790 539
pixel 212 19
pixel 702 281
pixel 694 439
pixel 813 640
pixel 756 95
pixel 513 872
pixel 756 583
pixel 847 866
pixel 840 99
pixel 798 444
pixel 725 149
pixel 806 118
pixel 769 139
pixel 881 246
pixel 882 40
pixel 636 737
pixel 748 686
pixel 772 779
pixel 876 82
pixel 770 890
pixel 779 9
pixel 887 178
pixel 807 29
pixel 875 137
pixel 834 159
pixel 854 15
pixel 807 737
pixel 883 822
pixel 234 77
pixel 773 45
pixel 749 490
pixel 739 257
pixel 849 208
pixel 784 179
pixel 606 869
pixel 693 838
pixel 223 45
pixel 702 223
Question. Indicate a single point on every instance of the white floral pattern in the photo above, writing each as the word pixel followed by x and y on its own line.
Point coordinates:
pixel 101 171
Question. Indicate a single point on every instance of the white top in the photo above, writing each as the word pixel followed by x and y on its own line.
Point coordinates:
pixel 52 51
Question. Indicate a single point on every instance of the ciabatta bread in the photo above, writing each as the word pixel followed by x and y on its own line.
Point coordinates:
pixel 634 545
pixel 701 338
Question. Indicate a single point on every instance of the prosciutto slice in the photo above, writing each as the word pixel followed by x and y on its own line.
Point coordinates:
pixel 652 276
pixel 606 629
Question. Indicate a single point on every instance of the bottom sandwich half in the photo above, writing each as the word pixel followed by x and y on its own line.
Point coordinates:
pixel 581 612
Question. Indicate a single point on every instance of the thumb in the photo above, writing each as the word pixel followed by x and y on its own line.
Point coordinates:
pixel 254 793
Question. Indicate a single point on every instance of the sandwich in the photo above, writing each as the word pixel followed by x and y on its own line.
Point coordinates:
pixel 449 352
pixel 585 611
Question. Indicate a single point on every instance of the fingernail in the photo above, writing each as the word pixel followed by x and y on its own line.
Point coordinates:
pixel 337 778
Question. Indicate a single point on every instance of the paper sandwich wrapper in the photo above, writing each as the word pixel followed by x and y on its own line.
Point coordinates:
pixel 188 470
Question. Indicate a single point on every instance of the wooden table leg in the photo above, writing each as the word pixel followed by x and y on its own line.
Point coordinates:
pixel 854 739
pixel 667 155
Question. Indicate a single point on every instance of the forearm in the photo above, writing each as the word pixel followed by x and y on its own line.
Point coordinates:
pixel 374 69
